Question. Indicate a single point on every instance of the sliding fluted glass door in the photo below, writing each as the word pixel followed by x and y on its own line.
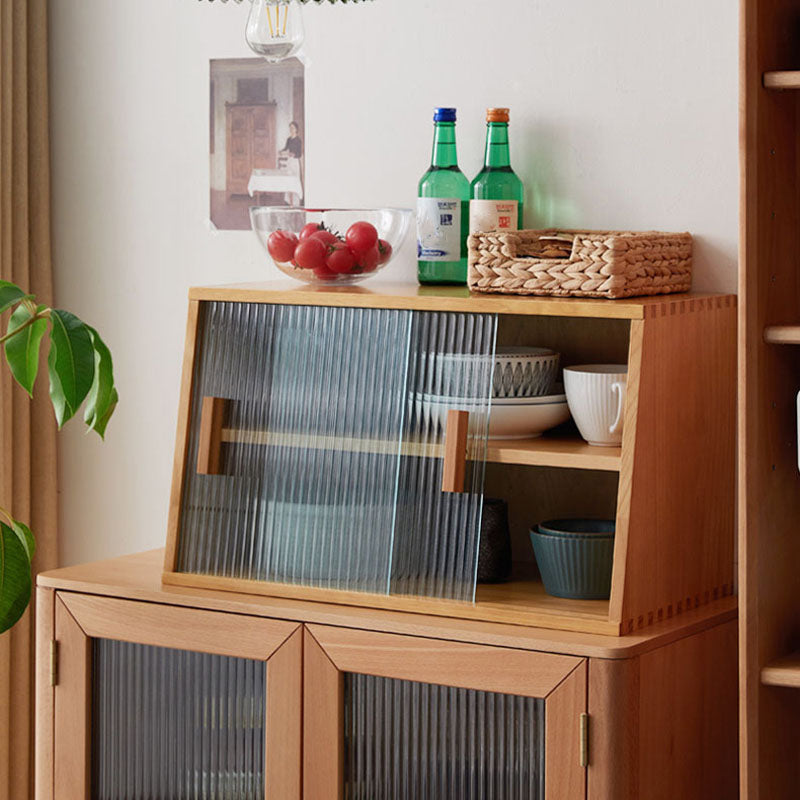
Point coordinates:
pixel 321 453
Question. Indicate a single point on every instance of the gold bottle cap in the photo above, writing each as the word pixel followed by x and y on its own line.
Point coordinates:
pixel 497 115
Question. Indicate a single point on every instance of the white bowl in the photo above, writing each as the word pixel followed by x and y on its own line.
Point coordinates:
pixel 558 397
pixel 506 420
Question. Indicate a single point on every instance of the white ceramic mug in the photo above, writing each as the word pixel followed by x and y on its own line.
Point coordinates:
pixel 596 397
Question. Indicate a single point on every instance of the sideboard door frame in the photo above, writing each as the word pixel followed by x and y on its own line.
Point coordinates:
pixel 81 618
pixel 331 652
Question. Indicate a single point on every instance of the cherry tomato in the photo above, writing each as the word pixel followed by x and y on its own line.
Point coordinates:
pixel 368 260
pixel 384 251
pixel 326 237
pixel 361 236
pixel 340 259
pixel 281 246
pixel 324 274
pixel 309 229
pixel 310 254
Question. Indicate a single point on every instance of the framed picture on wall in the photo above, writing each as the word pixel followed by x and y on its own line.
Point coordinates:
pixel 257 137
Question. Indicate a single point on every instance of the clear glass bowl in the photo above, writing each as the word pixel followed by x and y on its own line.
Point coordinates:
pixel 391 223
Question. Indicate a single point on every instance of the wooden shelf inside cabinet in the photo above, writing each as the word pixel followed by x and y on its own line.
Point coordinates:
pixel 568 452
pixel 782 334
pixel 519 602
pixel 783 672
pixel 782 79
pixel 546 451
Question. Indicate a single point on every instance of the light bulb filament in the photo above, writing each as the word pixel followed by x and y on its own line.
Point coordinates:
pixel 269 19
pixel 285 17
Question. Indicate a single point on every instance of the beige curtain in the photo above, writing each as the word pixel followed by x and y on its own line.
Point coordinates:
pixel 27 432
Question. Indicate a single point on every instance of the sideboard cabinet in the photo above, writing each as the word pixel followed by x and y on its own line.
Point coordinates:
pixel 146 690
pixel 314 627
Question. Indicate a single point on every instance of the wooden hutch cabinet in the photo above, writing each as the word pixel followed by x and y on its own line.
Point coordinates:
pixel 314 627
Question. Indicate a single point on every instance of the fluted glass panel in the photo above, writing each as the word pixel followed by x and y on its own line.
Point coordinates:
pixel 418 741
pixel 332 448
pixel 438 533
pixel 176 725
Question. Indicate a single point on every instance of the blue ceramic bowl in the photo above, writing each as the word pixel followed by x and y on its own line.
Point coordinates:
pixel 578 527
pixel 575 557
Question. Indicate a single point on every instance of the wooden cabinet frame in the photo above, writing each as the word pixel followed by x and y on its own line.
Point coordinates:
pixel 331 652
pixel 680 410
pixel 80 618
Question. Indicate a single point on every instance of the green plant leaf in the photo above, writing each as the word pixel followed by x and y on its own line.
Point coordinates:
pixel 100 423
pixel 25 535
pixel 22 350
pixel 70 364
pixel 10 294
pixel 102 397
pixel 15 578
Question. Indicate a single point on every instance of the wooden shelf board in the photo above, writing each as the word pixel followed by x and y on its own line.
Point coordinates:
pixel 547 451
pixel 783 672
pixel 782 79
pixel 782 334
pixel 448 298
pixel 522 602
pixel 555 451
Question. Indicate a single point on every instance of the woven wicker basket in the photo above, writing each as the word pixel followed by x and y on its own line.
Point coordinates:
pixel 610 264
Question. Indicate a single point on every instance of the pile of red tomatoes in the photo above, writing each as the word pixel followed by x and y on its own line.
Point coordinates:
pixel 329 254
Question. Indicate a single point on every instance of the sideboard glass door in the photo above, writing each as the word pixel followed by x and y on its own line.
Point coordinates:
pixel 392 717
pixel 172 703
pixel 329 456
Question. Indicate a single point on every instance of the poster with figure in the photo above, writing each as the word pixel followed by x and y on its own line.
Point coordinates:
pixel 257 137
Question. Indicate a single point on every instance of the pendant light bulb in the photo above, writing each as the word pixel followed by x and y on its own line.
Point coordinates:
pixel 275 29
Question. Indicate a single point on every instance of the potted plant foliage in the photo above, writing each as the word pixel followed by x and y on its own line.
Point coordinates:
pixel 80 369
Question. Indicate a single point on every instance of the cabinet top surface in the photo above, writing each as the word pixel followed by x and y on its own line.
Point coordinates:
pixel 138 577
pixel 452 298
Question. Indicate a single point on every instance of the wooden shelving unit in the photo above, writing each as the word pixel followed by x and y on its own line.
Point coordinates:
pixel 782 79
pixel 769 378
pixel 670 485
pixel 782 672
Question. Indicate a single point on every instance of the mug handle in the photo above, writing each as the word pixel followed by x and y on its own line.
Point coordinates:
pixel 619 389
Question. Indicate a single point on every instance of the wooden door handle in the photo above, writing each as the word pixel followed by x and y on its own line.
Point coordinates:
pixel 455 451
pixel 209 449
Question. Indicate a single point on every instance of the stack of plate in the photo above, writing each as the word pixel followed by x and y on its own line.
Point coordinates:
pixel 525 398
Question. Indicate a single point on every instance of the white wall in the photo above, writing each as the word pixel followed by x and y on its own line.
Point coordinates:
pixel 624 114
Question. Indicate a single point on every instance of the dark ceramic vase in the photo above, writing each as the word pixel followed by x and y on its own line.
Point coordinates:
pixel 494 555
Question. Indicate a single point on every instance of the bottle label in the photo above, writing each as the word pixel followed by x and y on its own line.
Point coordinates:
pixel 492 215
pixel 438 229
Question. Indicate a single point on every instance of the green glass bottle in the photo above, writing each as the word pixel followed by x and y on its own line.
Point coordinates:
pixel 443 209
pixel 497 193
